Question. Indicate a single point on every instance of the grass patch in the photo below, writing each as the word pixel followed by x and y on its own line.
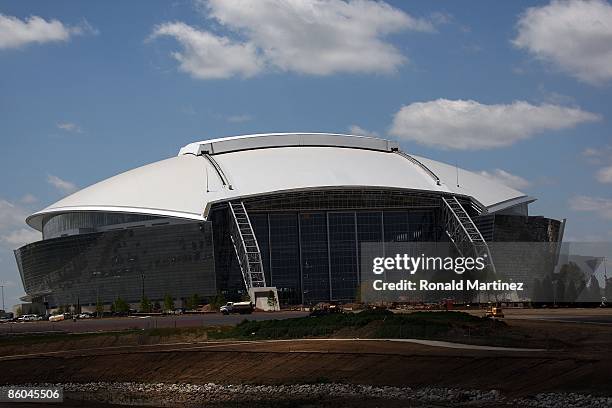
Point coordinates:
pixel 369 323
pixel 452 326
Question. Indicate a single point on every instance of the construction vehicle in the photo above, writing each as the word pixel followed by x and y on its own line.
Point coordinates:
pixel 237 307
pixel 495 312
pixel 325 308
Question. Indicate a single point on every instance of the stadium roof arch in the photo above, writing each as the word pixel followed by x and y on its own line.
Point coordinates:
pixel 217 170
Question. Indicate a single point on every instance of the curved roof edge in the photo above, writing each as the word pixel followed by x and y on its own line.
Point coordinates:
pixel 513 202
pixel 271 140
pixel 35 220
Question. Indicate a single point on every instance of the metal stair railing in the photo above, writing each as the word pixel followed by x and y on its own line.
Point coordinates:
pixel 246 247
pixel 462 231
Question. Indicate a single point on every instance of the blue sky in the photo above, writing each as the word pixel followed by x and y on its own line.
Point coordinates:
pixel 520 90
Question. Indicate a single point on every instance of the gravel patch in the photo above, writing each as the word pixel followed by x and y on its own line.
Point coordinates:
pixel 172 395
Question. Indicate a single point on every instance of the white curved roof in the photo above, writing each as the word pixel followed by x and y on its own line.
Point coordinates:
pixel 221 169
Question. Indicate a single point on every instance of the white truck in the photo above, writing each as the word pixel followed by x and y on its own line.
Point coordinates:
pixel 57 317
pixel 237 307
pixel 29 318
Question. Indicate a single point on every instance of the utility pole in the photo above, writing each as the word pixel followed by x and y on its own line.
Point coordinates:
pixel 143 292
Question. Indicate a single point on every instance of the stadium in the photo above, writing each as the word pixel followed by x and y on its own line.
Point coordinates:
pixel 246 215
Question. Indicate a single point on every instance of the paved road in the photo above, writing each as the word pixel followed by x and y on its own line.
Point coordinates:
pixel 563 315
pixel 123 323
pixel 570 319
pixel 602 316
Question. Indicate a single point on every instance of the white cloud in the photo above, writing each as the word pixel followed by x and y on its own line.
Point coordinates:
pixel 16 33
pixel 239 118
pixel 315 37
pixel 575 36
pixel 20 237
pixel 69 127
pixel 28 199
pixel 598 155
pixel 13 231
pixel 601 156
pixel 604 175
pixel 188 110
pixel 470 125
pixel 11 215
pixel 62 185
pixel 207 56
pixel 359 131
pixel 507 179
pixel 599 205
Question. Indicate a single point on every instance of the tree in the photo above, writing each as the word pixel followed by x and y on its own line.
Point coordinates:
pixel 99 309
pixel 560 291
pixel 18 311
pixel 536 293
pixel 121 306
pixel 217 301
pixel 547 289
pixel 571 294
pixel 145 305
pixel 571 273
pixel 271 299
pixel 168 302
pixel 358 294
pixel 193 302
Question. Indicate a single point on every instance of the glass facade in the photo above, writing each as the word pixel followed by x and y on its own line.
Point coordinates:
pixel 227 269
pixel 314 256
pixel 260 224
pixel 309 242
pixel 173 259
pixel 284 257
pixel 343 261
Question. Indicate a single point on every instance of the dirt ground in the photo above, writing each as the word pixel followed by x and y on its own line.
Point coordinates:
pixel 584 366
pixel 579 360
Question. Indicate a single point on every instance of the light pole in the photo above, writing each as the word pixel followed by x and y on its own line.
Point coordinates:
pixel 605 261
pixel 143 292
pixel 3 309
pixel 97 275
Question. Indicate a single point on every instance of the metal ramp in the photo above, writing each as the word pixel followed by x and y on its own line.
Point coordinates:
pixel 462 231
pixel 246 247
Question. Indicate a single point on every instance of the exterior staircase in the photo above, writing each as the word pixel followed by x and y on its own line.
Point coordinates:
pixel 462 231
pixel 246 247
